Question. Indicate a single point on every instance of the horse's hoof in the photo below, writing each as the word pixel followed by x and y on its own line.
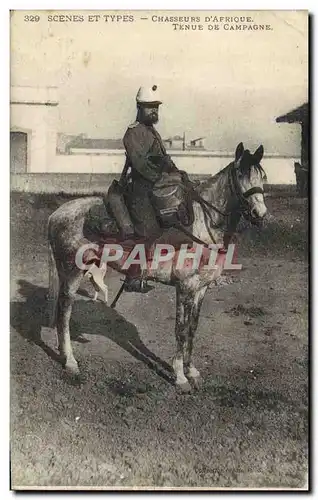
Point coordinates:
pixel 72 369
pixel 73 379
pixel 183 388
pixel 197 382
pixel 72 375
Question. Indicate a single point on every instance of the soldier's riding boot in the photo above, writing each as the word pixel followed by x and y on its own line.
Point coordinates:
pixel 136 281
pixel 137 284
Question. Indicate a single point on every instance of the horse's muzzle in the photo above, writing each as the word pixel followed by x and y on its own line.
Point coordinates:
pixel 254 218
pixel 258 222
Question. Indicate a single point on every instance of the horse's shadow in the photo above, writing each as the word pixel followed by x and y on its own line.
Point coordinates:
pixel 88 317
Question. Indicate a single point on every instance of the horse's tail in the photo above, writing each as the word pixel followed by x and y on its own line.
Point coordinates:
pixel 53 287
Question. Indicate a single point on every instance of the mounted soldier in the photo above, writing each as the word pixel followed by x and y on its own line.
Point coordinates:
pixel 151 194
pixel 148 160
pixel 148 169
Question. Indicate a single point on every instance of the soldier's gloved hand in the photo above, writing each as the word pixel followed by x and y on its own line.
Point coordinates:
pixel 164 162
pixel 168 165
pixel 158 160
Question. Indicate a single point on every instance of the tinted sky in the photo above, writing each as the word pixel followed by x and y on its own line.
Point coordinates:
pixel 228 86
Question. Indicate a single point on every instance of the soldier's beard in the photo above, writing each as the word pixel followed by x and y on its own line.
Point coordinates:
pixel 150 119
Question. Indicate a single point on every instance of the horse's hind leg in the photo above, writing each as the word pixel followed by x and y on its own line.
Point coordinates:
pixel 182 334
pixel 69 286
pixel 190 370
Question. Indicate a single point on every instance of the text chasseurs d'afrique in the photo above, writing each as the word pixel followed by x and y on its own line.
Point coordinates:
pixel 177 23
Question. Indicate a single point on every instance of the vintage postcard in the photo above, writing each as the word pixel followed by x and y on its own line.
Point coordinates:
pixel 159 265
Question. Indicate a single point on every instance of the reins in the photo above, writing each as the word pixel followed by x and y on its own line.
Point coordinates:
pixel 191 235
pixel 243 206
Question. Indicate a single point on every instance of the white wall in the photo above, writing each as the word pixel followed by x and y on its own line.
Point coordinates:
pixel 279 170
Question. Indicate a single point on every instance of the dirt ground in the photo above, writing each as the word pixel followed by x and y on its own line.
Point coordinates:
pixel 125 425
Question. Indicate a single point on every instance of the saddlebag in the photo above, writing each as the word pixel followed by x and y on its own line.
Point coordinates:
pixel 171 201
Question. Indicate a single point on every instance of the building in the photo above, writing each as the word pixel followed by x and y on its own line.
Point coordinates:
pixel 176 142
pixel 300 115
pixel 62 141
pixel 72 144
pixel 33 121
pixel 86 145
pixel 179 143
pixel 197 143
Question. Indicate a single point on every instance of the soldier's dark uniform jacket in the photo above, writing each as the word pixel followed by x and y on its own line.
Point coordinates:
pixel 148 159
pixel 146 152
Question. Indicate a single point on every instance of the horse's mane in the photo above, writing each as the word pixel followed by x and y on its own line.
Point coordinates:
pixel 214 178
pixel 247 167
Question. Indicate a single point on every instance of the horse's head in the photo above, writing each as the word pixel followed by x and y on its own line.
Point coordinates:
pixel 247 178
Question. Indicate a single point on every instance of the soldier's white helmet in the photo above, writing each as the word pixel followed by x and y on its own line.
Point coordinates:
pixel 148 95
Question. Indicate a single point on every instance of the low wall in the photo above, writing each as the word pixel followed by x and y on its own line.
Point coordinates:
pixel 66 183
pixel 279 170
pixel 60 182
pixel 89 173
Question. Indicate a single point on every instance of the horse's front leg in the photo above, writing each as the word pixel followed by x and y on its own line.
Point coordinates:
pixel 96 276
pixel 183 311
pixel 190 370
pixel 68 289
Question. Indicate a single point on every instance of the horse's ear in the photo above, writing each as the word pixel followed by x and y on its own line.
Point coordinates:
pixel 259 153
pixel 239 152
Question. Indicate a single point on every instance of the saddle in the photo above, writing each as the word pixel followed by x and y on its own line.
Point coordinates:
pixel 170 197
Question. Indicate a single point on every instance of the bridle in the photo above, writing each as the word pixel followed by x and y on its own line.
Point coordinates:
pixel 241 206
pixel 242 197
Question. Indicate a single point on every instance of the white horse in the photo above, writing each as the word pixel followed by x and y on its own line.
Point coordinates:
pixel 219 203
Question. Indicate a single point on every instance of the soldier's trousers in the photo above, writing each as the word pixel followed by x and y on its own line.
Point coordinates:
pixel 143 213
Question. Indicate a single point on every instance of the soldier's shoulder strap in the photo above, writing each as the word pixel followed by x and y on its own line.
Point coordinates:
pixel 134 125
